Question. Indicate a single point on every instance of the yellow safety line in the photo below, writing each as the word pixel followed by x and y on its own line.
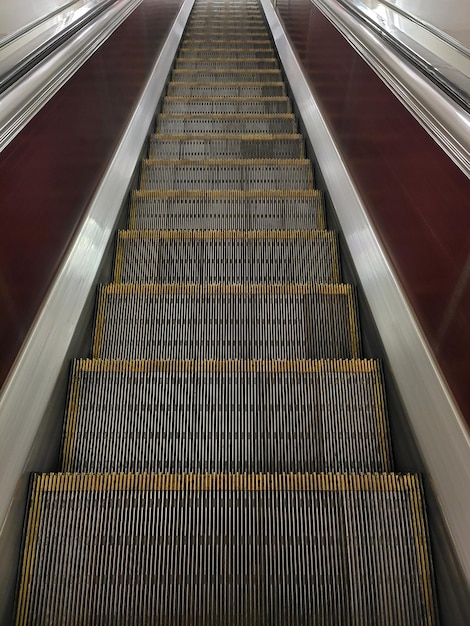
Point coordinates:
pixel 71 416
pixel 335 482
pixel 422 548
pixel 302 366
pixel 29 556
pixel 242 235
pixel 294 289
pixel 99 323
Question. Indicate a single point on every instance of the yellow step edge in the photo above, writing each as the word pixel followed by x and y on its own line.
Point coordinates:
pixel 333 482
pixel 271 366
pixel 228 234
pixel 228 162
pixel 296 137
pixel 287 289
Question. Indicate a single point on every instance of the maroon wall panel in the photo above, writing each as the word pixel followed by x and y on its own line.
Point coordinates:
pixel 50 171
pixel 417 198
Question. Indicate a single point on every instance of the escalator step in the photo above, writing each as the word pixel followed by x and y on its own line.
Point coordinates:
pixel 226 549
pixel 193 43
pixel 222 174
pixel 226 105
pixel 219 146
pixel 224 256
pixel 208 31
pixel 238 210
pixel 225 64
pixel 226 322
pixel 226 90
pixel 226 123
pixel 228 52
pixel 226 76
pixel 226 416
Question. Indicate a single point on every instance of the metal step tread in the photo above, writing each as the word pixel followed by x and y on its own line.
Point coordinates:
pixel 226 549
pixel 226 123
pixel 227 52
pixel 227 146
pixel 221 105
pixel 260 43
pixel 226 76
pixel 246 416
pixel 225 64
pixel 227 209
pixel 226 256
pixel 174 321
pixel 226 174
pixel 211 89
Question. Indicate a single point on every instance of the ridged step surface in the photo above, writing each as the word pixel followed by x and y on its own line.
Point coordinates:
pixel 193 43
pixel 226 76
pixel 219 146
pixel 226 322
pixel 226 90
pixel 258 106
pixel 226 123
pixel 224 256
pixel 220 549
pixel 229 53
pixel 225 174
pixel 237 210
pixel 225 64
pixel 226 416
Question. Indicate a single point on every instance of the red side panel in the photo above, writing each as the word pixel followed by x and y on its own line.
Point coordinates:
pixel 418 199
pixel 49 172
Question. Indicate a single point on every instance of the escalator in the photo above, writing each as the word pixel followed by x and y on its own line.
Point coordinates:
pixel 226 452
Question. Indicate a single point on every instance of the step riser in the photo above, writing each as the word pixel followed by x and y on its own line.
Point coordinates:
pixel 224 124
pixel 137 421
pixel 186 211
pixel 219 148
pixel 225 106
pixel 143 555
pixel 146 258
pixel 186 175
pixel 259 43
pixel 229 76
pixel 226 64
pixel 149 323
pixel 229 53
pixel 216 90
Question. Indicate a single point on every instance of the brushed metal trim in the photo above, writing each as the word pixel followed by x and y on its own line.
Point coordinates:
pixel 435 418
pixel 443 119
pixel 19 50
pixel 20 102
pixel 27 390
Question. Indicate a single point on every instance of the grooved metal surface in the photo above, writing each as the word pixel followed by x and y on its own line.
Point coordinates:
pixel 217 549
pixel 226 105
pixel 226 322
pixel 226 174
pixel 227 89
pixel 226 416
pixel 225 64
pixel 227 76
pixel 229 53
pixel 225 346
pixel 237 210
pixel 219 146
pixel 272 123
pixel 211 256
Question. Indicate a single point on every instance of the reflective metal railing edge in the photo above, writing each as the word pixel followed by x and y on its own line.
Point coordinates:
pixel 28 388
pixel 438 113
pixel 434 416
pixel 21 50
pixel 20 102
